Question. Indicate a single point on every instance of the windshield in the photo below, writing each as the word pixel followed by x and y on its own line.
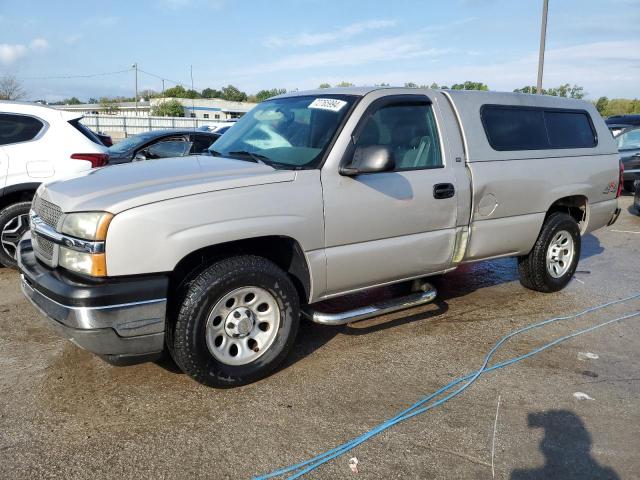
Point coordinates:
pixel 290 132
pixel 129 143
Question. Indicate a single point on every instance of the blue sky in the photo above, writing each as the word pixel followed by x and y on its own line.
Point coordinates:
pixel 257 44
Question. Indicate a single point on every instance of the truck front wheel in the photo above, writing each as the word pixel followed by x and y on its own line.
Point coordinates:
pixel 237 322
pixel 554 258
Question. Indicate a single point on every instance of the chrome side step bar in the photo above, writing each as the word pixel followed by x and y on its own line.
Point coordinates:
pixel 428 294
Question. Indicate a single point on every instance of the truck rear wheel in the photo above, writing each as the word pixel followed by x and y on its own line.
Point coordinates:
pixel 14 222
pixel 237 322
pixel 554 258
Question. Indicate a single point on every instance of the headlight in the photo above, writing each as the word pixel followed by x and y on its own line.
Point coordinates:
pixel 93 264
pixel 87 225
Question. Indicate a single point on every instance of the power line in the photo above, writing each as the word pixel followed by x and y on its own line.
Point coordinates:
pixel 88 75
pixel 102 74
pixel 182 84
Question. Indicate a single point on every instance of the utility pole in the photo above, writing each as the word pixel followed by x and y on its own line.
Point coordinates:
pixel 135 67
pixel 543 38
pixel 163 88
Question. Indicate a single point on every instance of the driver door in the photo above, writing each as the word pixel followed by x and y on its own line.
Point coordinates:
pixel 393 225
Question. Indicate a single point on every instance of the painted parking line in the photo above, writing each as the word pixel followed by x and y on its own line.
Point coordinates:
pixel 624 231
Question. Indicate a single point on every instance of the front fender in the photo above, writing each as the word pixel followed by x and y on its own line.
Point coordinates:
pixel 155 237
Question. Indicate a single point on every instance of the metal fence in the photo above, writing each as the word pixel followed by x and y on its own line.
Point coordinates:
pixel 120 126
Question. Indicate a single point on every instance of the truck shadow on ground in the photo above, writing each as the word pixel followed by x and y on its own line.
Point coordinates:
pixel 566 446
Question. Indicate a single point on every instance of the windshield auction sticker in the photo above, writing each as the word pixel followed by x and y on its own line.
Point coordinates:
pixel 331 104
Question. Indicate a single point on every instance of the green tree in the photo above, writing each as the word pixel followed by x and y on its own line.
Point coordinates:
pixel 434 85
pixel 192 94
pixel 109 106
pixel 263 95
pixel 211 93
pixel 601 105
pixel 177 92
pixel 71 101
pixel 148 93
pixel 564 90
pixel 93 100
pixel 168 108
pixel 469 86
pixel 621 106
pixel 345 84
pixel 324 85
pixel 527 89
pixel 411 85
pixel 233 94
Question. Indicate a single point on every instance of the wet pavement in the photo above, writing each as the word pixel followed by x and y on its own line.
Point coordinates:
pixel 572 411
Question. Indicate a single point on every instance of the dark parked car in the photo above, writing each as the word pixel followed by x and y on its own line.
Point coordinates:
pixel 629 148
pixel 161 144
pixel 636 198
pixel 624 120
pixel 104 138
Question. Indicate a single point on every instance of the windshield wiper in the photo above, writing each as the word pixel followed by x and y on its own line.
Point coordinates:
pixel 256 157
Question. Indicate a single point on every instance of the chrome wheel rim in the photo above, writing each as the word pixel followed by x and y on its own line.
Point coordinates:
pixel 560 254
pixel 11 233
pixel 242 325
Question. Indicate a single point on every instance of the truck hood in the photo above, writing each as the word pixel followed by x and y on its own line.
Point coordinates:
pixel 121 187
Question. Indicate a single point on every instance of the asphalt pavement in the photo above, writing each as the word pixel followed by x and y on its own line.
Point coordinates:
pixel 571 412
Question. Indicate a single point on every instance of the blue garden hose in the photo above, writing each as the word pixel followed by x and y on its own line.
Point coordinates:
pixel 417 408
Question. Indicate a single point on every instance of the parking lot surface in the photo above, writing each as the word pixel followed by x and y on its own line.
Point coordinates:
pixel 572 411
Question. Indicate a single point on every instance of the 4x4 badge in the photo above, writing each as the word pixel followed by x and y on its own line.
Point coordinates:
pixel 612 187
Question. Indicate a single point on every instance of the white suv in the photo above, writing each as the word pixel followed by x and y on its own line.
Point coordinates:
pixel 37 144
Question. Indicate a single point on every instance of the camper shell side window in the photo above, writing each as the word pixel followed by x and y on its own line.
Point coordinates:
pixel 513 128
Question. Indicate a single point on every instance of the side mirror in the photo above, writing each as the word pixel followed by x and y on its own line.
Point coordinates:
pixel 369 159
pixel 140 155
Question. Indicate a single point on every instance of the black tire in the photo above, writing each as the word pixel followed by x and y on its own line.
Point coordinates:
pixel 532 268
pixel 628 185
pixel 14 222
pixel 186 333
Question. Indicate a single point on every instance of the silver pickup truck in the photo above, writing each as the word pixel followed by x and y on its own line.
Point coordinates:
pixel 314 195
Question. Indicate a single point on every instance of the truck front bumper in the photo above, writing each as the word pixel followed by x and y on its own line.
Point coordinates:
pixel 122 320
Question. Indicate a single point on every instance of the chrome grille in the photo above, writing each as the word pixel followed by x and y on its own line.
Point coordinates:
pixel 47 211
pixel 43 247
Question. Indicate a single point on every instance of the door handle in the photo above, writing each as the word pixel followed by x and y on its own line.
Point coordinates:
pixel 443 190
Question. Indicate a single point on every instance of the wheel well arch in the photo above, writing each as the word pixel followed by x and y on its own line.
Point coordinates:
pixel 575 205
pixel 22 192
pixel 284 251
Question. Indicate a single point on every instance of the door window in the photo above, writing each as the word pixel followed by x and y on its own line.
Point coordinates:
pixel 168 148
pixel 201 143
pixel 409 131
pixel 18 128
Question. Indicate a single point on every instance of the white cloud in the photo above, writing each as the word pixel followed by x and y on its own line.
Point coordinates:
pixel 602 68
pixel 39 43
pixel 73 39
pixel 383 49
pixel 10 53
pixel 319 38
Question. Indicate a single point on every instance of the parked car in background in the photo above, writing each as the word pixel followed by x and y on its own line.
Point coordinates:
pixel 310 196
pixel 106 140
pixel 624 120
pixel 629 148
pixel 37 144
pixel 218 127
pixel 161 144
pixel 617 128
pixel 636 197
